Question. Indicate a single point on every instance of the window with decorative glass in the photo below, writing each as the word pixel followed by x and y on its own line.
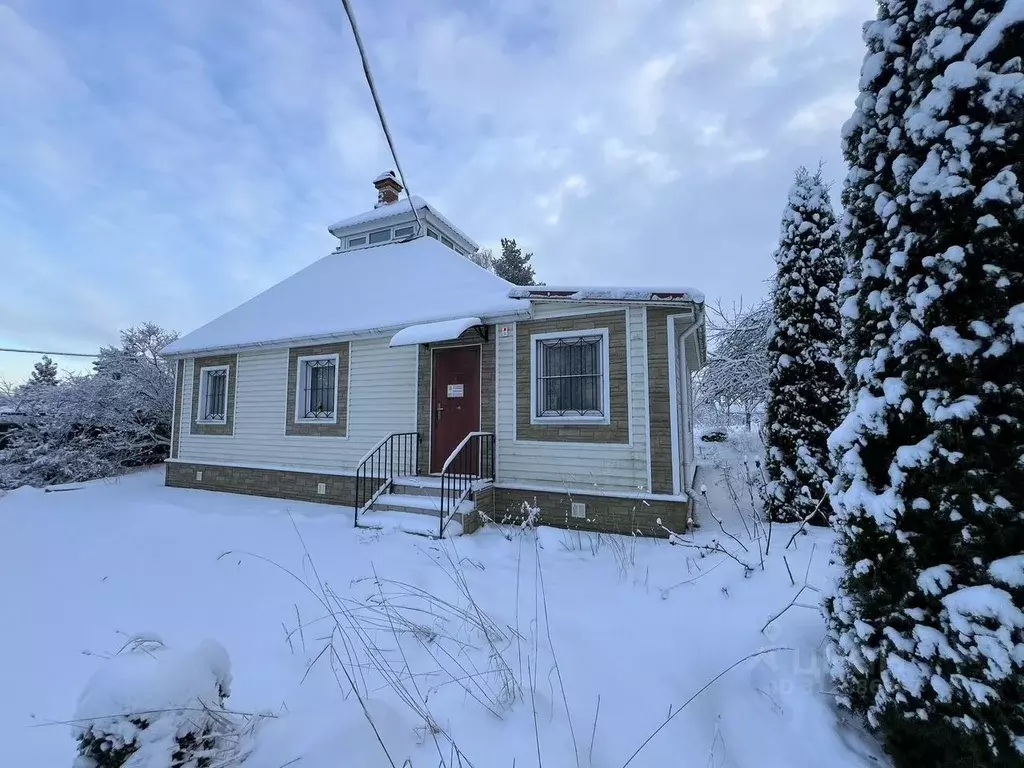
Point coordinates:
pixel 570 377
pixel 213 395
pixel 318 388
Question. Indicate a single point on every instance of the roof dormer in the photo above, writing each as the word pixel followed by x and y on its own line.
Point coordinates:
pixel 392 220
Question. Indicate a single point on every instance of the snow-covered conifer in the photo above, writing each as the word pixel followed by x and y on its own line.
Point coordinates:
pixel 805 389
pixel 927 624
pixel 44 372
pixel 514 265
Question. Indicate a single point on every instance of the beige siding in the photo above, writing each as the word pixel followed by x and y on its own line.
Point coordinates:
pixel 567 309
pixel 382 399
pixel 606 467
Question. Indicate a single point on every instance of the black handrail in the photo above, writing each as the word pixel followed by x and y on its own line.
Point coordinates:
pixel 397 455
pixel 471 461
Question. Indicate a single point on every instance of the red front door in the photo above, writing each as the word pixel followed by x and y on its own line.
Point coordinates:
pixel 454 402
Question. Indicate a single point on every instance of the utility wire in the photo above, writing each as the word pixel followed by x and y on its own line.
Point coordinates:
pixel 380 109
pixel 42 352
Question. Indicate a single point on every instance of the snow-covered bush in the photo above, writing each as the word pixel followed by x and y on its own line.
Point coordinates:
pixel 805 389
pixel 89 426
pixel 158 708
pixel 927 627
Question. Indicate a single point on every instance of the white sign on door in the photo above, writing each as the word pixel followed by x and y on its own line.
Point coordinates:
pixel 455 390
pixel 504 331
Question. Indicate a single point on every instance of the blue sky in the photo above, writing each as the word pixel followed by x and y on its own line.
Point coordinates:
pixel 167 160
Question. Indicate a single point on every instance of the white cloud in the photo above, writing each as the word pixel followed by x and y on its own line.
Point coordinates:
pixel 553 201
pixel 172 163
pixel 823 114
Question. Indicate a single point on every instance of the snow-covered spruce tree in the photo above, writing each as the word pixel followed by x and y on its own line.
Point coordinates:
pixel 514 265
pixel 927 625
pixel 44 372
pixel 805 391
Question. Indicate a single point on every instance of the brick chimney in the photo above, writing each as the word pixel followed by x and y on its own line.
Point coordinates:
pixel 388 188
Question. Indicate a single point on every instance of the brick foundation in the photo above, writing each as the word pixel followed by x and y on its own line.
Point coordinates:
pixel 605 514
pixel 278 484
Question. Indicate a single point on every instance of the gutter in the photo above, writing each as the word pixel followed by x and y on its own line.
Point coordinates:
pixel 676 303
pixel 698 323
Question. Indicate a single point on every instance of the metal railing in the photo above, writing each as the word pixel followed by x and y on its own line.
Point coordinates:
pixel 471 461
pixel 397 455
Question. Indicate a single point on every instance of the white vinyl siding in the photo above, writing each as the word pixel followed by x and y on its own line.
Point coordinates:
pixel 381 399
pixel 574 466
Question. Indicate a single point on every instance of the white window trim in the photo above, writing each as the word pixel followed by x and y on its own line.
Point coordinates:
pixel 300 371
pixel 604 418
pixel 202 393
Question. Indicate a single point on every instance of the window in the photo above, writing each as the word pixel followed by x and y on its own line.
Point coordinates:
pixel 447 242
pixel 380 236
pixel 461 251
pixel 356 241
pixel 213 395
pixel 317 396
pixel 433 234
pixel 403 232
pixel 571 376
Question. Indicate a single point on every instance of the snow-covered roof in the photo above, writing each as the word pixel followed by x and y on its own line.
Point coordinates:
pixel 576 293
pixel 397 208
pixel 362 291
pixel 428 333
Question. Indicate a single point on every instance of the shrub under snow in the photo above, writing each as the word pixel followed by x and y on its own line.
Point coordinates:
pixel 159 707
pixel 927 625
pixel 89 426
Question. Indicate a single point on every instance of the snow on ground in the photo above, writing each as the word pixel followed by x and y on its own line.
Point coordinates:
pixel 637 627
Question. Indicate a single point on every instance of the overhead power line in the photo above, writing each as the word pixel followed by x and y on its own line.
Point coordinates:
pixel 380 109
pixel 43 352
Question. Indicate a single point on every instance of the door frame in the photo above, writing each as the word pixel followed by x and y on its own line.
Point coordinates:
pixel 430 403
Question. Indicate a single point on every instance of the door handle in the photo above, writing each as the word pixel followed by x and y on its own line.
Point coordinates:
pixel 438 410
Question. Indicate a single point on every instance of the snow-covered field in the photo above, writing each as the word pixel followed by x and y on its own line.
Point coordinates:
pixel 592 640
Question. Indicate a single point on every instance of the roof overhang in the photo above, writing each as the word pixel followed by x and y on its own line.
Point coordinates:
pixel 428 333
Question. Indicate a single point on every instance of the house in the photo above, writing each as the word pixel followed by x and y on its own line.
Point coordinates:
pixel 395 374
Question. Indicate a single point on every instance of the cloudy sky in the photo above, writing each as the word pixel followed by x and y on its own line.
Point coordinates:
pixel 167 160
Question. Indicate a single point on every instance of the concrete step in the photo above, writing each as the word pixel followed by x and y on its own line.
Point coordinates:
pixel 426 485
pixel 419 524
pixel 417 504
pixel 402 486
